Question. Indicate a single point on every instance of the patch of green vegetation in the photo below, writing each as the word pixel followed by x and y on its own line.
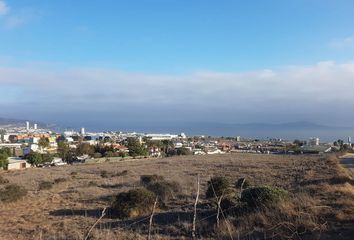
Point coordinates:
pixel 263 196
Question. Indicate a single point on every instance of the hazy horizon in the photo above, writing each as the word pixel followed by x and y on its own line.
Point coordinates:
pixel 176 62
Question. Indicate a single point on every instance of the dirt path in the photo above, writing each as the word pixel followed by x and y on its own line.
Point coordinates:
pixel 348 162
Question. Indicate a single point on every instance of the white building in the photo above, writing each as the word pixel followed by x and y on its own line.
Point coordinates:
pixel 31 148
pixel 183 135
pixel 17 163
pixel 161 136
pixel 314 141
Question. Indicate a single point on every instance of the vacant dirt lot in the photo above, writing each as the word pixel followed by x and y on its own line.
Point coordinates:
pixel 78 194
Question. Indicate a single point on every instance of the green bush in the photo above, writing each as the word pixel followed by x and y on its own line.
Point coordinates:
pixel 263 196
pixel 149 179
pixel 12 193
pixel 45 185
pixel 217 187
pixel 134 203
pixel 183 151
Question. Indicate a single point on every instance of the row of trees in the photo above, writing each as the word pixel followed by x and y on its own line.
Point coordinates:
pixel 36 159
pixel 69 154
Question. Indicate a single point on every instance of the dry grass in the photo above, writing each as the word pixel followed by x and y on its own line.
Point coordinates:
pixel 322 203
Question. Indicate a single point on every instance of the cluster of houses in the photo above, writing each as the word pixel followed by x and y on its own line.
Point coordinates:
pixel 24 141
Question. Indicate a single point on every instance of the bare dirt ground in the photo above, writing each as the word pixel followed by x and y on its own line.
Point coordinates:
pixel 74 203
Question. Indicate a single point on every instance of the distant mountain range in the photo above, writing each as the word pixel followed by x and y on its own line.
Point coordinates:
pixel 10 121
pixel 22 123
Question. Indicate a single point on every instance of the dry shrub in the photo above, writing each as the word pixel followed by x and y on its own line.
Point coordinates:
pixel 341 175
pixel 3 180
pixel 45 185
pixel 108 234
pixel 217 187
pixel 343 203
pixel 242 182
pixel 60 180
pixel 343 189
pixel 120 174
pixel 284 220
pixel 165 190
pixel 104 174
pixel 92 184
pixel 225 229
pixel 12 193
pixel 150 179
pixel 136 202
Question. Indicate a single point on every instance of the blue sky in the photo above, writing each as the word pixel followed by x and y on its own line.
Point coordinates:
pixel 177 55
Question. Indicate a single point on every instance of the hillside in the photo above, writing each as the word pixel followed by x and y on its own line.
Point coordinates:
pixel 321 204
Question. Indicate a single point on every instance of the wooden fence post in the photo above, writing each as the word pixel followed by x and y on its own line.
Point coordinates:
pixel 195 211
pixel 151 216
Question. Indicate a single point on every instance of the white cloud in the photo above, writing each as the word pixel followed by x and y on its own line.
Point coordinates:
pixel 296 90
pixel 17 17
pixel 347 42
pixel 4 9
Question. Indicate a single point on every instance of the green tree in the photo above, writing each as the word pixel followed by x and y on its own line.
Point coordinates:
pixel 34 158
pixel 298 142
pixel 85 148
pixel 136 148
pixel 65 152
pixel 183 151
pixel 47 157
pixel 43 142
pixel 167 145
pixel 5 153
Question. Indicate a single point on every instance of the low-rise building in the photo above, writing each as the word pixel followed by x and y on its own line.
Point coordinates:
pixel 16 163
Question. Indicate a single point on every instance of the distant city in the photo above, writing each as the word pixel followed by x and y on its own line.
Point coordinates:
pixel 28 144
